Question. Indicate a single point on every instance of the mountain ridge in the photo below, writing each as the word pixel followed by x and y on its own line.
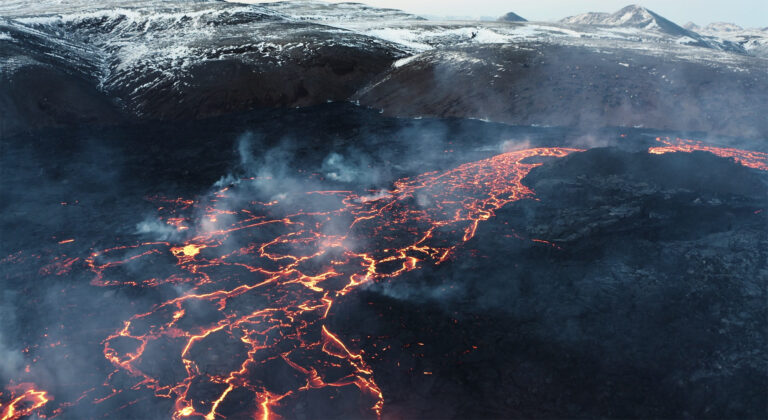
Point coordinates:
pixel 179 59
pixel 632 16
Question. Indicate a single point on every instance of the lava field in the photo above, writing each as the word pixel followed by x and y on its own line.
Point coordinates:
pixel 336 233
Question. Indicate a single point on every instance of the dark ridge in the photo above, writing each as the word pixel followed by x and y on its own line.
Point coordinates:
pixel 512 17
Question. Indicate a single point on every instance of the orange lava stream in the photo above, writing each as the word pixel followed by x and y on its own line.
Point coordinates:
pixel 270 276
pixel 28 400
pixel 750 159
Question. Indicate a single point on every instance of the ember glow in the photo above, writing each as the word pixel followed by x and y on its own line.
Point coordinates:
pixel 750 159
pixel 267 274
pixel 24 400
pixel 284 270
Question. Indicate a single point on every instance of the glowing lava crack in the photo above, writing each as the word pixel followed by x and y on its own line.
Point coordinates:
pixel 25 400
pixel 258 280
pixel 750 159
pixel 279 288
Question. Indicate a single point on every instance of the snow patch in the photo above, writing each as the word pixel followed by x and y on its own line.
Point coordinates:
pixel 404 61
pixel 479 35
pixel 686 40
pixel 405 37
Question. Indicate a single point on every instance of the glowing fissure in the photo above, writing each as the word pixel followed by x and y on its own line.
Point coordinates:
pixel 750 159
pixel 271 277
pixel 295 265
pixel 25 399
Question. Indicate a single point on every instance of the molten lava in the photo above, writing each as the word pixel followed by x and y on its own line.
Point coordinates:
pixel 265 276
pixel 750 159
pixel 285 270
pixel 25 399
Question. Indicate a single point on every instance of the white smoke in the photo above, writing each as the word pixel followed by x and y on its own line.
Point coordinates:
pixel 157 230
pixel 513 145
pixel 335 168
pixel 11 360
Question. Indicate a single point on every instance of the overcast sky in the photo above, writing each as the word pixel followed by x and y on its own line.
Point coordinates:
pixel 748 13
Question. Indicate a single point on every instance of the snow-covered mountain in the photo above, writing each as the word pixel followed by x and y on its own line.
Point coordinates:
pixel 179 59
pixel 589 18
pixel 64 61
pixel 722 27
pixel 753 40
pixel 632 16
pixel 637 18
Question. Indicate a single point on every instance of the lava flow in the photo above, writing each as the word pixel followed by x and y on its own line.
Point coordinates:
pixel 252 288
pixel 266 278
pixel 25 399
pixel 750 159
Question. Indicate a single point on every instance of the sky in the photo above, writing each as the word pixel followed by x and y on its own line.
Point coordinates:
pixel 747 13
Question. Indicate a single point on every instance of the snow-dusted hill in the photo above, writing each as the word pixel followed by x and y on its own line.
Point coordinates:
pixel 635 17
pixel 589 18
pixel 753 40
pixel 180 59
pixel 62 62
pixel 315 10
pixel 715 27
pixel 632 16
